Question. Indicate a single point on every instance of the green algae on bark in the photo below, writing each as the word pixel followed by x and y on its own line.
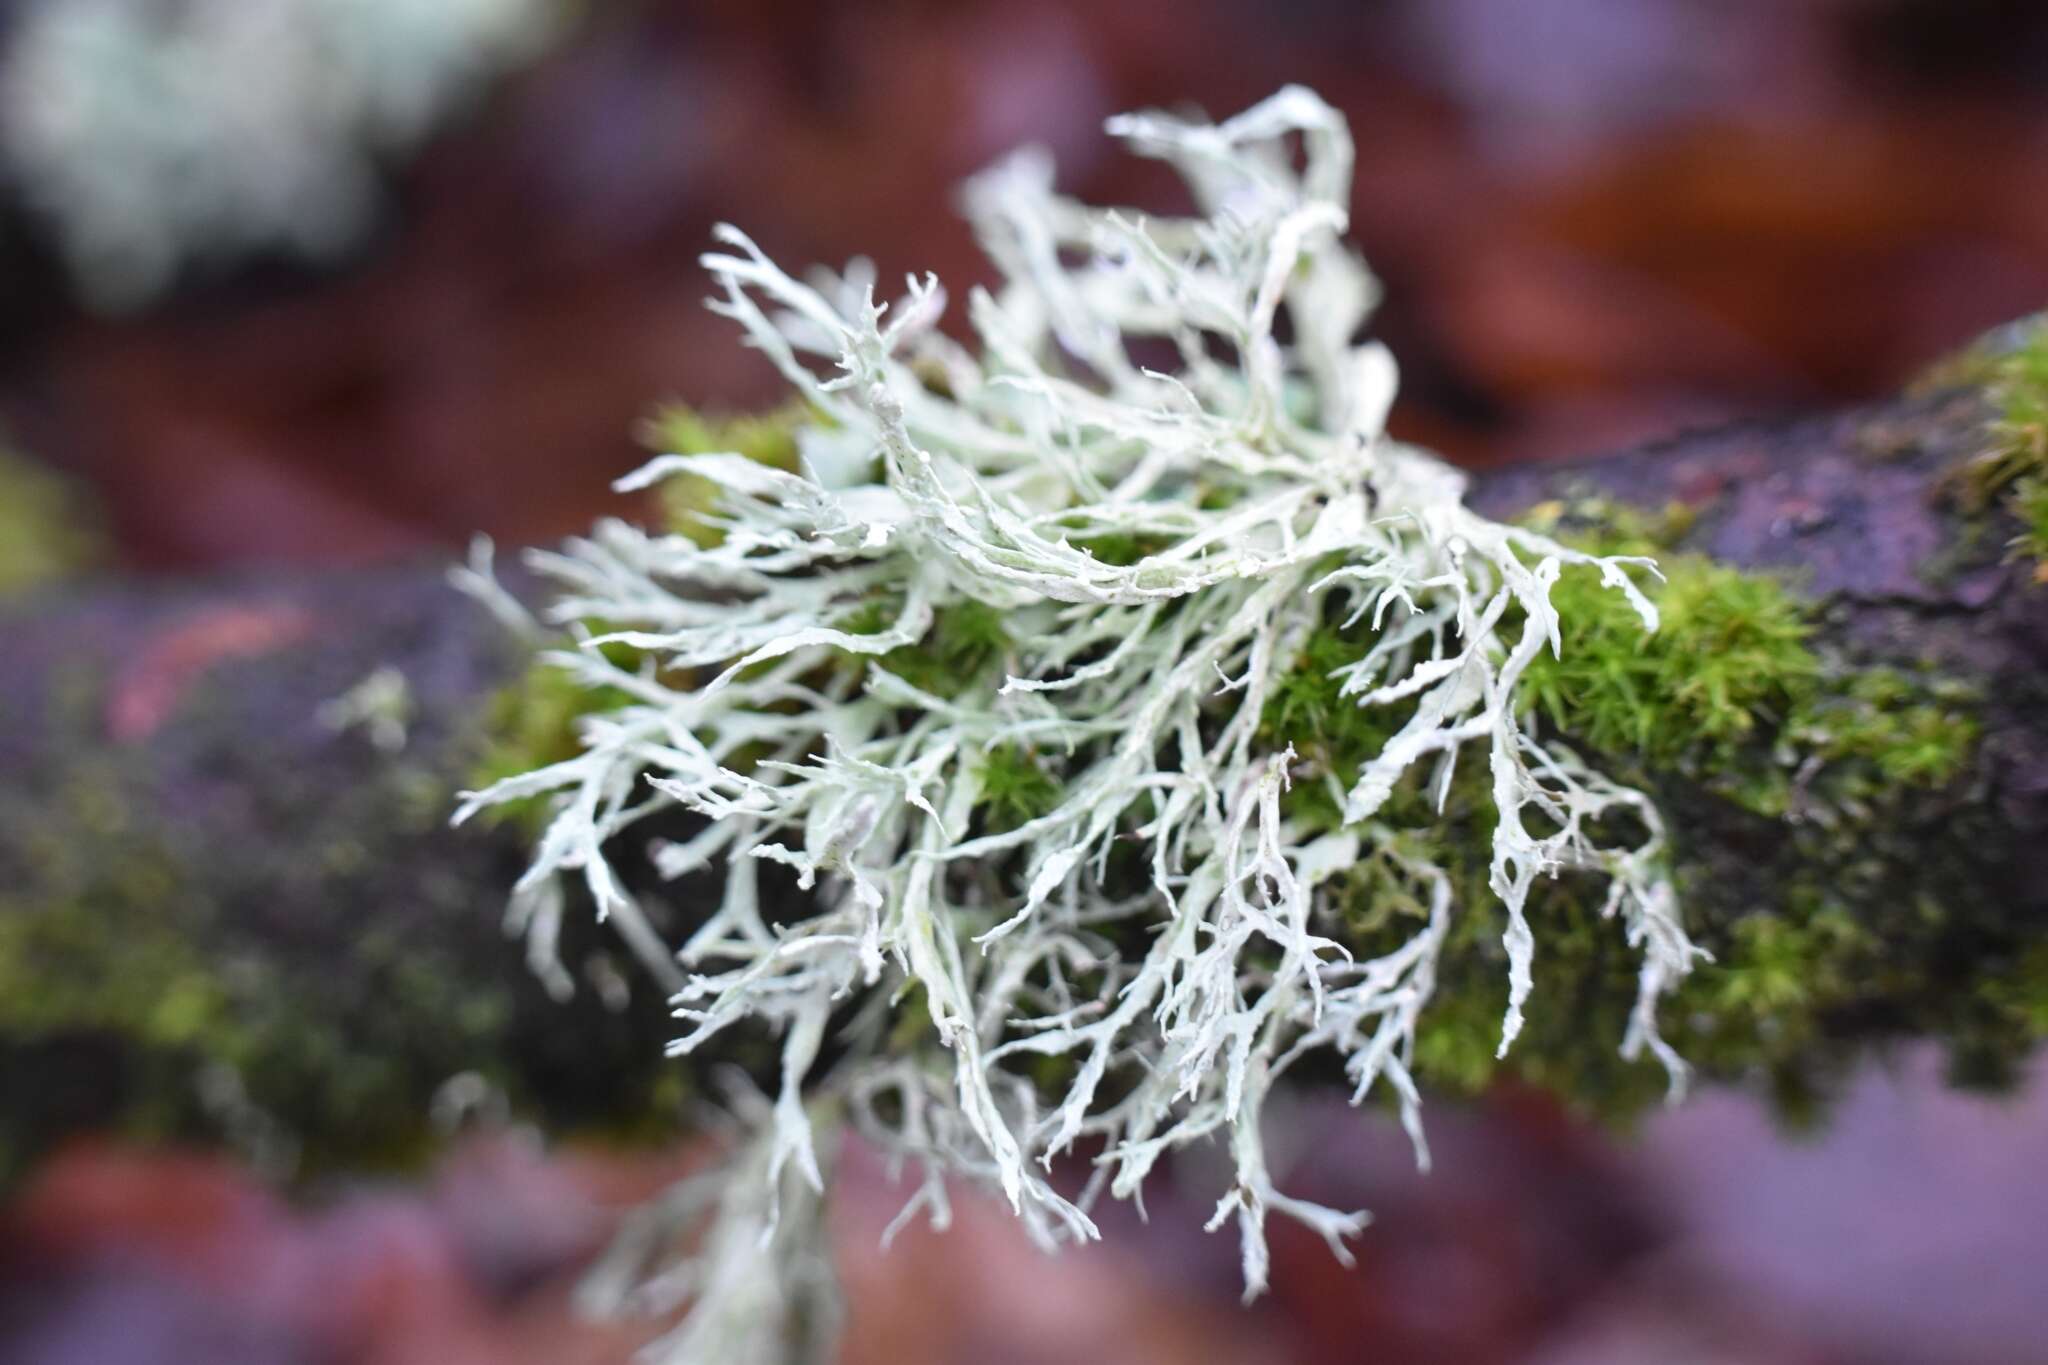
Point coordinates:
pixel 241 915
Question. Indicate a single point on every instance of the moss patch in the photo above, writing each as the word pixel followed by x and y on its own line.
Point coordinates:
pixel 1730 660
pixel 2029 503
pixel 965 644
pixel 1757 736
pixel 529 724
pixel 688 502
pixel 45 530
pixel 1015 787
pixel 2012 470
pixel 331 948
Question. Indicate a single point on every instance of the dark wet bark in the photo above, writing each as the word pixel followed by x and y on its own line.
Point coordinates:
pixel 193 865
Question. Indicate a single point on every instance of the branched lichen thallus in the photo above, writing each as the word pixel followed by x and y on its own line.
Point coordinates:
pixel 994 666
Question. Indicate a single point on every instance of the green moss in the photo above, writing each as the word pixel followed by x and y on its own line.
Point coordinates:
pixel 1332 735
pixel 873 617
pixel 2020 390
pixel 966 642
pixel 1799 987
pixel 1306 706
pixel 97 964
pixel 45 531
pixel 770 438
pixel 2012 470
pixel 1729 660
pixel 2021 994
pixel 1756 736
pixel 1879 723
pixel 1015 787
pixel 1122 548
pixel 105 946
pixel 1731 690
pixel 2030 504
pixel 1976 365
pixel 530 724
pixel 1781 966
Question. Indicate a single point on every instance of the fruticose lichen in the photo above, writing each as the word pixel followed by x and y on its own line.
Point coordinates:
pixel 160 136
pixel 1084 677
pixel 1818 796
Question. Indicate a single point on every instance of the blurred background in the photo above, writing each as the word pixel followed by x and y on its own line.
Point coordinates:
pixel 344 281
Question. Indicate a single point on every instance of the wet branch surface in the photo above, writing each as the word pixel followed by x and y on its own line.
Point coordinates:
pixel 222 915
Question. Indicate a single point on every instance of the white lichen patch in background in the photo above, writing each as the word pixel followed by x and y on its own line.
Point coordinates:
pixel 1132 966
pixel 156 134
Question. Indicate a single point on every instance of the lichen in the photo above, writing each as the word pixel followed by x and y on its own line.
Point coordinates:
pixel 1829 761
pixel 1008 671
pixel 379 707
pixel 1734 691
pixel 154 137
pixel 929 684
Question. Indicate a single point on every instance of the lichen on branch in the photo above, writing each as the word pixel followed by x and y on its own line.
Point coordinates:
pixel 1000 671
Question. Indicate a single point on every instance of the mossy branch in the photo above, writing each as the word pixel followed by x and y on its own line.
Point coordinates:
pixel 197 869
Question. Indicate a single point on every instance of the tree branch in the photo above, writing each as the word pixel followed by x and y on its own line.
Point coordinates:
pixel 221 913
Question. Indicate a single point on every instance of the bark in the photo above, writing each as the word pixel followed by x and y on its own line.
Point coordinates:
pixel 195 866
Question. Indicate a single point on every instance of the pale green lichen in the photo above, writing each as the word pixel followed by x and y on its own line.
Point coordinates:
pixel 1007 671
pixel 1815 764
pixel 156 136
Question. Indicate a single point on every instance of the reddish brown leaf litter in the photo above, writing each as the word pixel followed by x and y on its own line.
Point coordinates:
pixel 1594 228
pixel 1901 1233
